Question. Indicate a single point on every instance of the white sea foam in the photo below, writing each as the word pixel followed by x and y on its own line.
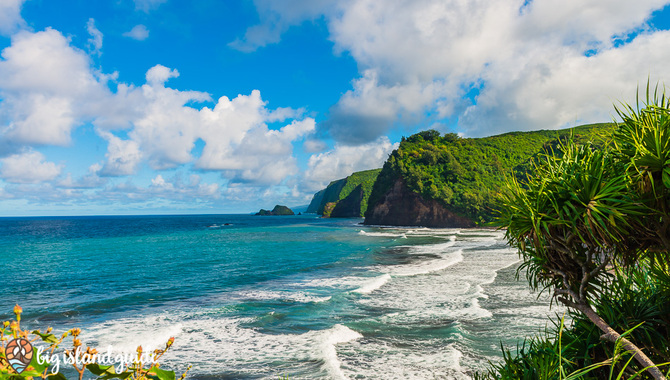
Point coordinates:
pixel 392 362
pixel 280 296
pixel 336 335
pixel 221 342
pixel 374 284
pixel 124 335
pixel 343 283
pixel 426 267
pixel 433 232
pixel 214 344
pixel 383 234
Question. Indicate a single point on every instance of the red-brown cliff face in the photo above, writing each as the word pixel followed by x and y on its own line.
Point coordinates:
pixel 403 207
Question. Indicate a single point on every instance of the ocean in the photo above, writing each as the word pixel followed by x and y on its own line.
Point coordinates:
pixel 250 297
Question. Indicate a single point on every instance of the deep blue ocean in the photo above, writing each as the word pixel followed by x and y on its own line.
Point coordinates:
pixel 250 297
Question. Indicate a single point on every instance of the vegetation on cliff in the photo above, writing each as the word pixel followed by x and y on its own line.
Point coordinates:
pixel 350 195
pixel 278 210
pixel 466 175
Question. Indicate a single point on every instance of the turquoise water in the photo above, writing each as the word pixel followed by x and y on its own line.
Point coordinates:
pixel 264 297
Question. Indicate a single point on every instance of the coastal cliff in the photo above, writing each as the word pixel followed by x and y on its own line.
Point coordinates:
pixel 346 197
pixel 403 207
pixel 437 180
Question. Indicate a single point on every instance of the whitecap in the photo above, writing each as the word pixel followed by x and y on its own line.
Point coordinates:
pixel 429 266
pixel 334 336
pixel 374 284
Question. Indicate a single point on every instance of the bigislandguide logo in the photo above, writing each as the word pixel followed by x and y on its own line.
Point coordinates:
pixel 25 354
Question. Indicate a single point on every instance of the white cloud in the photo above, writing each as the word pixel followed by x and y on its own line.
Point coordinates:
pixel 95 39
pixel 559 89
pixel 313 145
pixel 163 130
pixel 10 16
pixel 90 180
pixel 238 142
pixel 344 160
pixel 159 74
pixel 365 113
pixel 28 167
pixel 48 88
pixel 419 58
pixel 148 5
pixel 529 62
pixel 138 32
pixel 123 156
pixel 176 188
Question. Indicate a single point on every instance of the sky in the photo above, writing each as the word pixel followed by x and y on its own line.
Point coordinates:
pixel 207 106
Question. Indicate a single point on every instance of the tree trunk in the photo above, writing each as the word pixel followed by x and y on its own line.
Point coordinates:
pixel 613 336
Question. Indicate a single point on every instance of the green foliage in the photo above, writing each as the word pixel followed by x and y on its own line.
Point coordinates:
pixel 340 189
pixel 634 302
pixel 328 209
pixel 467 174
pixel 570 206
pixel 592 223
pixel 366 180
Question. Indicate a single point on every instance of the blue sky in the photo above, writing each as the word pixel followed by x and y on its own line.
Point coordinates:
pixel 170 106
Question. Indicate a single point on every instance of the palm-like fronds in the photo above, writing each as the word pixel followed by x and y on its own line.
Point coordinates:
pixel 573 209
pixel 585 210
pixel 643 142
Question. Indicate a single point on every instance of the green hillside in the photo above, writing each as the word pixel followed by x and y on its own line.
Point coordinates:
pixel 466 174
pixel 342 189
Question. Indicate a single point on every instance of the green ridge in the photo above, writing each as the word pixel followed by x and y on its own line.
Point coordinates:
pixel 340 189
pixel 466 174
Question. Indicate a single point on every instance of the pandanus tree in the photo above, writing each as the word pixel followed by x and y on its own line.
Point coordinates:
pixel 587 211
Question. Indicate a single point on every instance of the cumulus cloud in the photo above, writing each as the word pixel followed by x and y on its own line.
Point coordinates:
pixel 421 58
pixel 561 90
pixel 123 156
pixel 138 32
pixel 344 160
pixel 95 39
pixel 427 54
pixel 238 141
pixel 365 113
pixel 163 128
pixel 10 16
pixel 47 88
pixel 159 74
pixel 28 167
